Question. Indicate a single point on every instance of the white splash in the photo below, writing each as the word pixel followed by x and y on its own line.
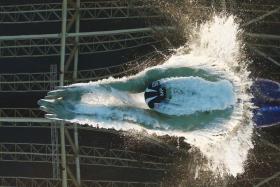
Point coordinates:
pixel 216 50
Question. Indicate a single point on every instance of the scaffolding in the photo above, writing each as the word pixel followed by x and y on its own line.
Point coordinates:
pixel 91 10
pixel 68 46
pixel 47 182
pixel 38 153
pixel 34 82
pixel 54 129
pixel 89 42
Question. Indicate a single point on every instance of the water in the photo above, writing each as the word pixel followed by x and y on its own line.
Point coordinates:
pixel 211 107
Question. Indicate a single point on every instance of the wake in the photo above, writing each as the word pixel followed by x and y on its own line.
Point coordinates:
pixel 115 100
pixel 209 102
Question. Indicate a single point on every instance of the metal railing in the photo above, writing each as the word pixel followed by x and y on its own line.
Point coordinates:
pixel 23 82
pixel 89 42
pixel 49 182
pixel 91 10
pixel 28 152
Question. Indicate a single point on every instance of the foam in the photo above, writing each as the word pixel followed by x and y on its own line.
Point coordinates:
pixel 216 50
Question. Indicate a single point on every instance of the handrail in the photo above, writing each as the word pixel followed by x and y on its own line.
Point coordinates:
pixel 56 182
pixel 43 148
pixel 44 77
